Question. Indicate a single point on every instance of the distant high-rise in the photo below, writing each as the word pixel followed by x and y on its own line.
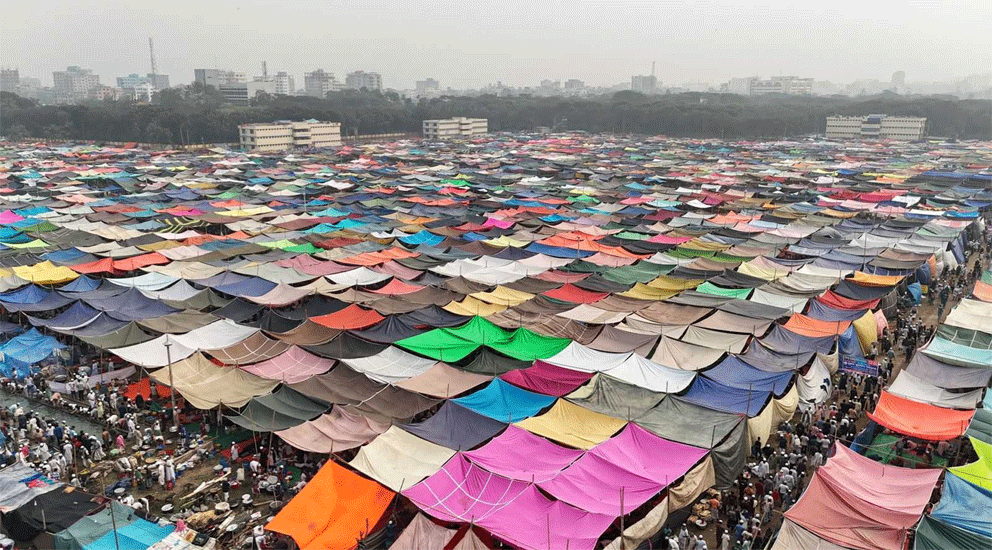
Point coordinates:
pixel 284 83
pixel 644 84
pixel 428 85
pixel 10 80
pixel 574 84
pixel 318 82
pixel 360 79
pixel 899 79
pixel 74 84
pixel 216 77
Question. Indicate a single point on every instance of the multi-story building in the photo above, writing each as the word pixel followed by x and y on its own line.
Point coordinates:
pixel 574 84
pixel 158 81
pixel 455 127
pixel 876 127
pixel 216 77
pixel 428 86
pixel 644 83
pixel 10 80
pixel 241 93
pixel 284 83
pixel 789 85
pixel 131 81
pixel 360 79
pixel 318 83
pixel 74 84
pixel 135 81
pixel 283 135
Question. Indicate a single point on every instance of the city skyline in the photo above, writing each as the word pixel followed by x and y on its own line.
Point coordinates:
pixel 471 46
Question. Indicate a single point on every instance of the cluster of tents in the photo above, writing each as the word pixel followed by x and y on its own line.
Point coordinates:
pixel 856 502
pixel 533 338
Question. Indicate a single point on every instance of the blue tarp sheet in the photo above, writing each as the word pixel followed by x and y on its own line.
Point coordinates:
pixel 505 402
pixel 823 312
pixel 734 373
pixel 137 536
pixel 958 354
pixel 132 305
pixel 961 505
pixel 849 344
pixel 786 341
pixel 75 317
pixel 27 349
pixel 718 397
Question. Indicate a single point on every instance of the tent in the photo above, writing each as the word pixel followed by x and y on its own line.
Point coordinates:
pixel 920 419
pixel 335 510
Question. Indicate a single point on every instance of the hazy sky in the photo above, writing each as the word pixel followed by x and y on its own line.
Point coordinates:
pixel 470 43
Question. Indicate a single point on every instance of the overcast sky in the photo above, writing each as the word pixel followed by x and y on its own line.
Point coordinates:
pixel 470 43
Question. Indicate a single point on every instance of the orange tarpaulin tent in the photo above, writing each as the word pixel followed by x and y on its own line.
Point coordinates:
pixel 808 326
pixel 920 420
pixel 334 510
pixel 875 280
pixel 983 291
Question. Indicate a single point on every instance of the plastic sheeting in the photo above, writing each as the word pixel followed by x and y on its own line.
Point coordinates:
pixel 629 367
pixel 505 402
pixel 292 366
pixel 336 431
pixel 520 455
pixel 920 419
pixel 333 511
pixel 456 427
pixel 573 425
pixel 547 379
pixel 515 511
pixel 912 387
pixel 959 501
pixel 607 395
pixel 205 385
pixel 399 459
pixel 934 534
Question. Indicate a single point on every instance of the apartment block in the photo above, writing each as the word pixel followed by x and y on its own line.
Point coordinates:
pixel 455 127
pixel 284 135
pixel 876 127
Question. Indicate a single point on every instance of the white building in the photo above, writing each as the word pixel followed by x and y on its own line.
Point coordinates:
pixel 876 127
pixel 753 85
pixel 318 82
pixel 284 83
pixel 74 83
pixel 455 127
pixel 361 79
pixel 283 135
pixel 644 83
pixel 215 77
pixel 242 93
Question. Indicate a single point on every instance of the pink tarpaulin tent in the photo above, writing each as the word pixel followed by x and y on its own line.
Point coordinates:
pixel 292 366
pixel 857 503
pixel 514 511
pixel 521 455
pixel 623 472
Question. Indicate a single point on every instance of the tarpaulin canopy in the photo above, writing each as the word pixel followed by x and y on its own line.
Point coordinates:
pixel 959 501
pixel 293 365
pixel 335 510
pixel 90 528
pixel 514 511
pixel 628 367
pixel 333 432
pixel 980 471
pixel 520 455
pixel 505 402
pixel 453 344
pixel 950 376
pixel 424 534
pixel 573 425
pixel 20 483
pixel 138 535
pixel 390 365
pixel 53 511
pixel 607 395
pixel 912 387
pixel 735 373
pixel 399 459
pixel 153 353
pixel 205 385
pixel 443 381
pixel 547 378
pixel 935 534
pixel 456 427
pixel 719 397
pixel 281 409
pixel 856 502
pixel 623 472
pixel 920 419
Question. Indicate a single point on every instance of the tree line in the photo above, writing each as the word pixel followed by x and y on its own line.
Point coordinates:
pixel 198 114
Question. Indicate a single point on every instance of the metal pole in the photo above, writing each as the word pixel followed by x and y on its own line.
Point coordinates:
pixel 172 388
pixel 113 520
